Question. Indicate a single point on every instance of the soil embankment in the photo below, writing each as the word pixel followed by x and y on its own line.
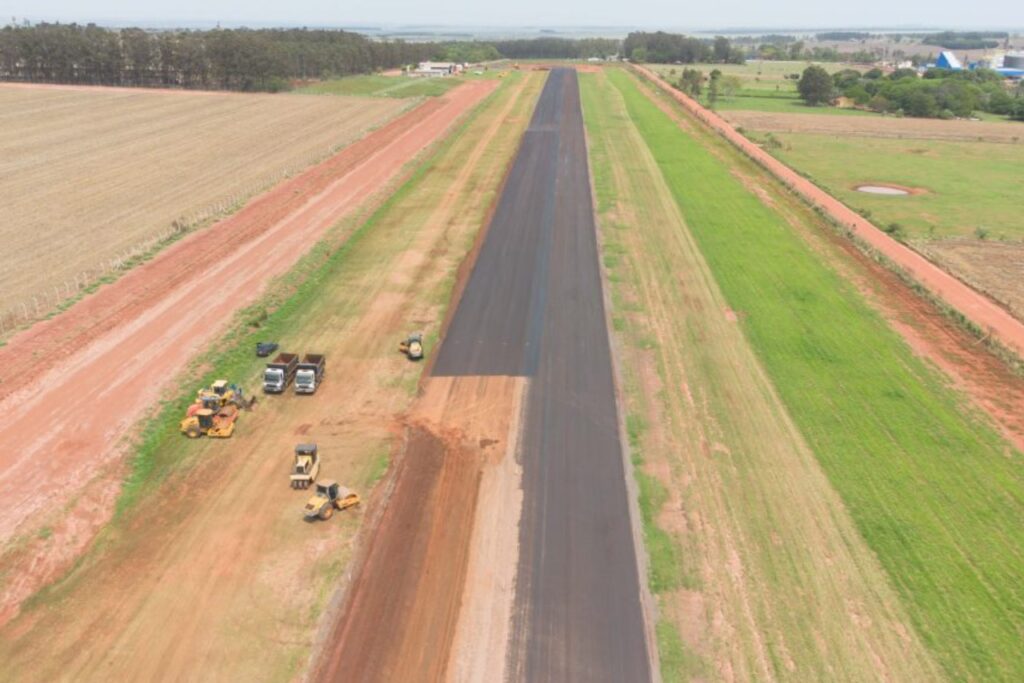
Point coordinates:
pixel 404 607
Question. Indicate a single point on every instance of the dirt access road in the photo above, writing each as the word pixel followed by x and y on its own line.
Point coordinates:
pixel 978 308
pixel 73 386
pixel 533 308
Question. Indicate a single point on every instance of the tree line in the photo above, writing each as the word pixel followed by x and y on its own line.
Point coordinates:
pixel 965 40
pixel 660 47
pixel 241 59
pixel 228 59
pixel 940 94
pixel 558 48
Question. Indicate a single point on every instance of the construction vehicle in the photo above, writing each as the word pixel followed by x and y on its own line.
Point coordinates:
pixel 307 466
pixel 280 372
pixel 309 373
pixel 221 393
pixel 218 423
pixel 214 411
pixel 264 349
pixel 329 496
pixel 412 346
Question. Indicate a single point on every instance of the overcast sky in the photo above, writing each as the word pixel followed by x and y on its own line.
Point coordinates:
pixel 646 13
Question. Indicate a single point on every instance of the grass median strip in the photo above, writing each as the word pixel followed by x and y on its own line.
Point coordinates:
pixel 931 487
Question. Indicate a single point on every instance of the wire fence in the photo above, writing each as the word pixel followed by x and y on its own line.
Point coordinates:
pixel 54 295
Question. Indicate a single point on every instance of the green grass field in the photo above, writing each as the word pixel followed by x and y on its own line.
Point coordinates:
pixel 381 86
pixel 934 491
pixel 969 185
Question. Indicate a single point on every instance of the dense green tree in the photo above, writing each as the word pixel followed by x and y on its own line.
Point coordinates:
pixel 691 82
pixel 815 85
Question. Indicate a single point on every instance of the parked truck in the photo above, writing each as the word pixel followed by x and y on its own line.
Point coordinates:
pixel 310 373
pixel 280 372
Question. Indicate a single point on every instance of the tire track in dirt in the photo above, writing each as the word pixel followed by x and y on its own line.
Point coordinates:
pixel 86 376
pixel 978 308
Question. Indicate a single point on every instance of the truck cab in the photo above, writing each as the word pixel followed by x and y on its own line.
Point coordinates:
pixel 279 373
pixel 273 380
pixel 310 373
pixel 305 381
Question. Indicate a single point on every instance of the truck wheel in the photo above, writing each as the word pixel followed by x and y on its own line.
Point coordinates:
pixel 327 513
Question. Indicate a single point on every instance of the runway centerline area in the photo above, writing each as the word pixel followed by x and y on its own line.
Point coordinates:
pixel 534 306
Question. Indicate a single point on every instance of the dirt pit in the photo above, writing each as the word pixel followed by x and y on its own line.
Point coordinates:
pixel 888 190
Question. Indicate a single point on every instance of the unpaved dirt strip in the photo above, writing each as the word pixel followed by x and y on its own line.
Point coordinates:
pixel 75 410
pixel 217 577
pixel 765 576
pixel 876 126
pixel 979 309
pixel 404 610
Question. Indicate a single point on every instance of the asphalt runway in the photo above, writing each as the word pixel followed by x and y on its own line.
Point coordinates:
pixel 533 306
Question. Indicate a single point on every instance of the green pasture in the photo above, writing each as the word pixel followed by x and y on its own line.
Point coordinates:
pixel 970 188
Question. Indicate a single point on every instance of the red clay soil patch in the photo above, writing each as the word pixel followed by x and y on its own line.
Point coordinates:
pixel 978 308
pixel 404 603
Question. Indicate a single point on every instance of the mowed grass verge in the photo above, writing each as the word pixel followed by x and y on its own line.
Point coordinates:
pixel 933 490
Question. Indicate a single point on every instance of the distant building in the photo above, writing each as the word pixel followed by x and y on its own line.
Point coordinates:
pixel 948 60
pixel 1012 65
pixel 433 69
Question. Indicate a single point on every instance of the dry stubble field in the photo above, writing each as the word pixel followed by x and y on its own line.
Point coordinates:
pixel 88 176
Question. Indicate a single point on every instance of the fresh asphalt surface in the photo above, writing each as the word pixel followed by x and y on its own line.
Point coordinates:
pixel 533 306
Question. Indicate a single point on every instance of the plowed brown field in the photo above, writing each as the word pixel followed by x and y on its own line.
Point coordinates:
pixel 108 170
